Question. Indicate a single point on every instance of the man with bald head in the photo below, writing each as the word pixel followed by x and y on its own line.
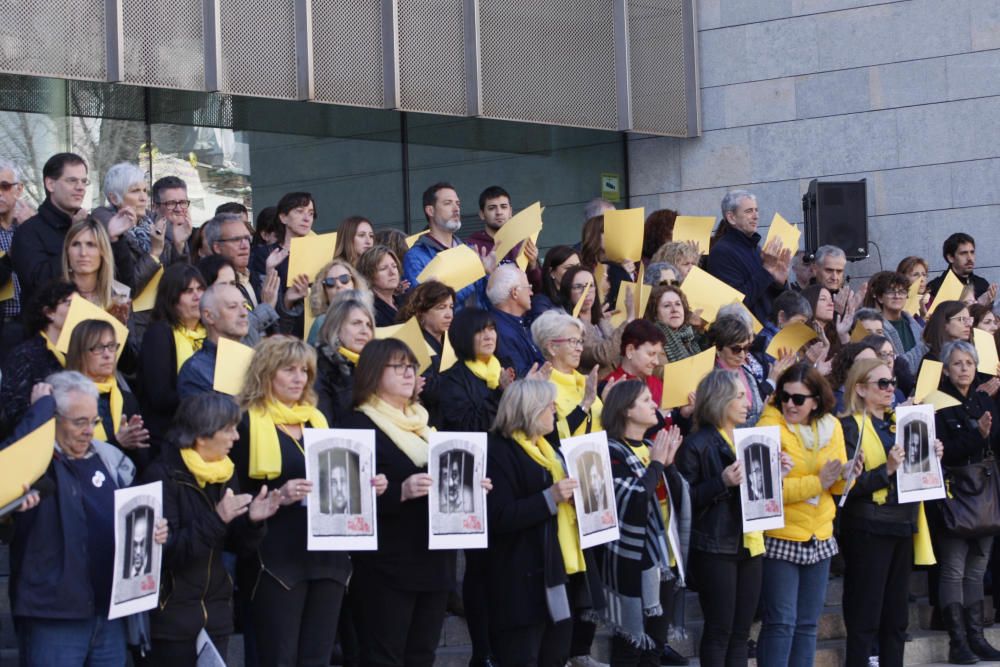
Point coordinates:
pixel 224 315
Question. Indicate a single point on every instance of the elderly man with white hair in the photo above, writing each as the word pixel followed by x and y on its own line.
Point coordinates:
pixel 224 315
pixel 63 548
pixel 509 293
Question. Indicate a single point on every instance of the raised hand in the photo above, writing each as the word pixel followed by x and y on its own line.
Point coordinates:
pixel 121 222
pixel 294 490
pixel 132 434
pixel 733 474
pixel 232 505
pixel 589 390
pixel 277 256
pixel 665 445
pixel 264 505
pixel 830 473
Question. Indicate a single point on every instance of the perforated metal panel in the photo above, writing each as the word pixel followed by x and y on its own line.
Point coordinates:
pixel 548 62
pixel 658 67
pixel 347 52
pixel 258 43
pixel 63 38
pixel 432 56
pixel 164 44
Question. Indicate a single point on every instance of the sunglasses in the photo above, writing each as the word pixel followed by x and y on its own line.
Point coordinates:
pixel 884 383
pixel 343 279
pixel 796 399
pixel 738 349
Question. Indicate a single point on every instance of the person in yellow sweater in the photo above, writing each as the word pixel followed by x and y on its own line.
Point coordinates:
pixel 797 556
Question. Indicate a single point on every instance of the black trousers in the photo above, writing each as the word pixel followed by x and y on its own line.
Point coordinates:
pixel 396 627
pixel 728 590
pixel 476 602
pixel 626 654
pixel 541 645
pixel 297 627
pixel 876 595
pixel 166 653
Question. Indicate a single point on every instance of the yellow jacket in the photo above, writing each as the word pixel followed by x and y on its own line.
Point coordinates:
pixel 803 519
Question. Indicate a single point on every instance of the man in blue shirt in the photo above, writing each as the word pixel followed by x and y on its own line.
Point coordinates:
pixel 510 294
pixel 224 315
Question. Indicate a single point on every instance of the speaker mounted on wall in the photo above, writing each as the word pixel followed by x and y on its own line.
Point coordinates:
pixel 836 213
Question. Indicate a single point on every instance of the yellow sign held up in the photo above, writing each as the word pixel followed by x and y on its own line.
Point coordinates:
pixel 231 363
pixel 986 348
pixel 456 267
pixel 681 378
pixel 694 228
pixel 950 290
pixel 79 310
pixel 784 231
pixel 623 231
pixel 928 379
pixel 147 297
pixel 524 225
pixel 25 461
pixel 792 337
pixel 707 293
pixel 410 333
pixel 308 254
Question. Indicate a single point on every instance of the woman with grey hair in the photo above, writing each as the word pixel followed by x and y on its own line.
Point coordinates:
pixel 348 327
pixel 534 545
pixel 202 500
pixel 725 564
pixel 733 338
pixel 969 432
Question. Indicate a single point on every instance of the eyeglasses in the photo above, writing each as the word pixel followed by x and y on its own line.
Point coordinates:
pixel 6 187
pixel 671 283
pixel 884 383
pixel 739 349
pixel 960 319
pixel 73 181
pixel 81 422
pixel 885 356
pixel 343 279
pixel 182 204
pixel 238 240
pixel 402 368
pixel 573 342
pixel 896 292
pixel 797 399
pixel 107 347
pixel 580 286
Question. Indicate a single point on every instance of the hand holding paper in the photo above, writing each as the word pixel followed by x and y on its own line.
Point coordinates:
pixel 456 267
pixel 785 232
pixel 308 254
pixel 681 378
pixel 524 225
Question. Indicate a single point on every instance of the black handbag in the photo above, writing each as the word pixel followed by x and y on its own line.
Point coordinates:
pixel 973 508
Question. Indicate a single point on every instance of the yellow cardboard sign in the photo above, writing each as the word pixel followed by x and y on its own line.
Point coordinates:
pixel 410 240
pixel 579 302
pixel 792 337
pixel 456 267
pixel 524 225
pixel 7 291
pixel 913 299
pixel 940 400
pixel 623 232
pixel 25 461
pixel 410 333
pixel 448 356
pixel 231 364
pixel 858 332
pixel 928 379
pixel 680 378
pixel 308 254
pixel 785 231
pixel 79 310
pixel 695 228
pixel 522 259
pixel 707 293
pixel 950 290
pixel 986 348
pixel 147 297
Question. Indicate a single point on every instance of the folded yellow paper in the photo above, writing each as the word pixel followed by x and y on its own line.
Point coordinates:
pixel 522 226
pixel 986 348
pixel 26 460
pixel 928 379
pixel 786 232
pixel 231 363
pixel 792 337
pixel 410 333
pixel 950 290
pixel 707 293
pixel 695 228
pixel 448 356
pixel 79 310
pixel 147 297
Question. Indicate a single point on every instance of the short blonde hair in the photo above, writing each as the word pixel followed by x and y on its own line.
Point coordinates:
pixel 106 272
pixel 674 252
pixel 317 295
pixel 860 370
pixel 269 355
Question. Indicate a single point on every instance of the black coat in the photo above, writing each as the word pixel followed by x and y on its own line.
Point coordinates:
pixel 468 404
pixel 28 363
pixel 524 536
pixel 334 384
pixel 403 560
pixel 430 395
pixel 195 589
pixel 716 517
pixel 958 428
pixel 157 381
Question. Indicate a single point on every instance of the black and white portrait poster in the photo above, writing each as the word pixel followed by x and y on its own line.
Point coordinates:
pixel 136 583
pixel 341 507
pixel 457 500
pixel 759 450
pixel 919 478
pixel 589 462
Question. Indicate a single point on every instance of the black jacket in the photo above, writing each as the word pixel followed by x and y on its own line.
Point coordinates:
pixel 979 284
pixel 403 560
pixel 157 381
pixel 26 364
pixel 736 260
pixel 195 589
pixel 958 428
pixel 716 517
pixel 430 395
pixel 468 404
pixel 334 384
pixel 524 536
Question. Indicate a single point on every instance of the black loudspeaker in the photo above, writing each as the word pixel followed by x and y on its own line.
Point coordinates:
pixel 836 213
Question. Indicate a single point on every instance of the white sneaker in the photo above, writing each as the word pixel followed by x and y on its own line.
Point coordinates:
pixel 584 661
pixel 873 661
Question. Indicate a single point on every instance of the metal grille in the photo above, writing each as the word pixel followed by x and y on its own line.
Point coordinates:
pixel 164 44
pixel 258 48
pixel 432 56
pixel 347 52
pixel 63 38
pixel 658 67
pixel 549 62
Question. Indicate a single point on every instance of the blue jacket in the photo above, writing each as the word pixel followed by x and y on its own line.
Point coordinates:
pixel 735 260
pixel 420 255
pixel 197 375
pixel 515 348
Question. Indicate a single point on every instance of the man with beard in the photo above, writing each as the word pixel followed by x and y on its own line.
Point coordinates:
pixel 959 251
pixel 338 489
pixel 495 209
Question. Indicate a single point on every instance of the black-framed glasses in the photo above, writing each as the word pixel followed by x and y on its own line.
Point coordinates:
pixel 7 187
pixel 797 399
pixel 343 279
pixel 106 347
pixel 401 369
pixel 884 383
pixel 897 292
pixel 182 204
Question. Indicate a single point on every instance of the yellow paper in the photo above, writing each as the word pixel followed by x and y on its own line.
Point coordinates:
pixel 792 337
pixel 579 302
pixel 522 259
pixel 7 291
pixel 928 379
pixel 682 377
pixel 410 240
pixel 410 333
pixel 986 348
pixel 231 364
pixel 79 310
pixel 697 228
pixel 522 226
pixel 25 461
pixel 448 357
pixel 858 332
pixel 913 299
pixel 147 297
pixel 456 267
pixel 620 311
pixel 786 232
pixel 623 231
pixel 940 400
pixel 707 293
pixel 308 254
pixel 600 278
pixel 950 290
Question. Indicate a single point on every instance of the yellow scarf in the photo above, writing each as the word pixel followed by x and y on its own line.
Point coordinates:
pixel 187 342
pixel 407 428
pixel 871 445
pixel 570 388
pixel 487 371
pixel 265 450
pixel 52 348
pixel 754 540
pixel 207 472
pixel 117 403
pixel 541 452
pixel 349 355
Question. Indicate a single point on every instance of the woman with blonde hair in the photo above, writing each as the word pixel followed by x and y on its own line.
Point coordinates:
pixel 382 268
pixel 355 236
pixel 335 277
pixel 88 263
pixel 348 327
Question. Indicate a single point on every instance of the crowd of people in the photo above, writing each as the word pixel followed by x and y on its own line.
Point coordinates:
pixel 543 354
